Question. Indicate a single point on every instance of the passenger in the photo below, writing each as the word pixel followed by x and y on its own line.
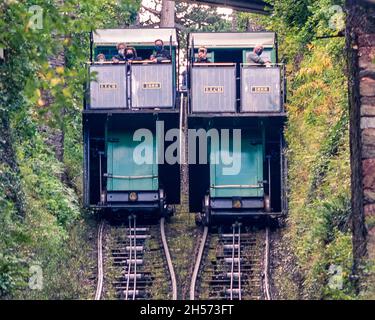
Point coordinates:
pixel 254 57
pixel 160 54
pixel 121 47
pixel 131 54
pixel 202 56
pixel 100 58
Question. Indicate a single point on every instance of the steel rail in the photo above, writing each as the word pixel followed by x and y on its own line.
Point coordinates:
pixel 239 262
pixel 182 136
pixel 232 242
pixel 129 260
pixel 198 263
pixel 266 268
pixel 232 266
pixel 99 286
pixel 135 257
pixel 168 258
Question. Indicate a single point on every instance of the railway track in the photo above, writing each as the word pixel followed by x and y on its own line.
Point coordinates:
pixel 229 265
pixel 123 272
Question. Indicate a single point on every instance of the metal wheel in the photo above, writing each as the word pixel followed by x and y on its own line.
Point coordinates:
pixel 198 219
pixel 267 203
pixel 169 211
pixel 162 205
pixel 206 214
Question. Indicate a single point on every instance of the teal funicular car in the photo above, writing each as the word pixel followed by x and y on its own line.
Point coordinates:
pixel 132 175
pixel 123 97
pixel 231 92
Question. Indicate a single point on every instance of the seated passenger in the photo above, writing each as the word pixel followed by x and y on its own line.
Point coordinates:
pixel 202 56
pixel 254 57
pixel 160 54
pixel 100 58
pixel 121 47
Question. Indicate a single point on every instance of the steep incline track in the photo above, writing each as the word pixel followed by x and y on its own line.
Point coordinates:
pixel 229 265
pixel 125 248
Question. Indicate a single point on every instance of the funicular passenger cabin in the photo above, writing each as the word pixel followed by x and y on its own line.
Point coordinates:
pixel 127 93
pixel 229 90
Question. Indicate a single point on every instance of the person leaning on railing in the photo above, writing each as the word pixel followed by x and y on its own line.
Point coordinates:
pixel 160 54
pixel 255 56
pixel 131 54
pixel 100 58
pixel 202 56
pixel 120 56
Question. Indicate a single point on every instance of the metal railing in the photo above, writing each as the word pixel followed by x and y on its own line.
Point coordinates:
pixel 239 78
pixel 128 104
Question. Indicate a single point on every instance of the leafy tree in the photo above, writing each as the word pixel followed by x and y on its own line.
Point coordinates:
pixel 188 18
pixel 33 95
pixel 249 22
pixel 300 22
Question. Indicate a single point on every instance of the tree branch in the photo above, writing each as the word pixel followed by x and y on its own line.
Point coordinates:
pixel 153 11
pixel 180 27
pixel 151 25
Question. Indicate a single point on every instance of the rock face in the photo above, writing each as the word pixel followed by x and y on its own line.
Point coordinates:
pixel 361 63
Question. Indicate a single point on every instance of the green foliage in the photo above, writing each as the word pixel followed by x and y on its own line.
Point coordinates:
pixel 249 22
pixel 41 173
pixel 298 23
pixel 37 102
pixel 200 18
pixel 318 145
pixel 193 17
pixel 11 235
pixel 317 135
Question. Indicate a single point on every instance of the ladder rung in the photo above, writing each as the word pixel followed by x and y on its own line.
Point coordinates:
pixel 138 236
pixel 130 293
pixel 132 261
pixel 230 246
pixel 137 229
pixel 137 248
pixel 236 291
pixel 229 235
pixel 131 276
pixel 229 260
pixel 235 275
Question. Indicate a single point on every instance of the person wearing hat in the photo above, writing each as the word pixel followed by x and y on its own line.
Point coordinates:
pixel 202 56
pixel 255 56
pixel 120 56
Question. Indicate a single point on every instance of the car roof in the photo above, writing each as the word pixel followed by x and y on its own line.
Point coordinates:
pixel 232 39
pixel 134 37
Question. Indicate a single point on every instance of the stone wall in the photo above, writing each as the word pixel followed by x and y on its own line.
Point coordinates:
pixel 361 63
